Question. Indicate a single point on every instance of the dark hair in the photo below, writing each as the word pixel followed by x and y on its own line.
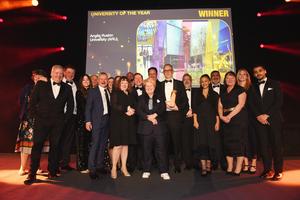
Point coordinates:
pixel 214 71
pixel 205 76
pixel 230 73
pixel 81 88
pixel 188 75
pixel 262 66
pixel 111 78
pixel 123 78
pixel 69 66
pixel 152 68
pixel 137 74
pixel 39 72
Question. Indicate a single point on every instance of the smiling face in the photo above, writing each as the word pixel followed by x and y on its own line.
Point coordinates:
pixel 242 75
pixel 215 78
pixel 69 74
pixel 150 87
pixel 57 74
pixel 230 80
pixel 259 72
pixel 85 82
pixel 102 80
pixel 187 81
pixel 204 82
pixel 168 72
pixel 124 85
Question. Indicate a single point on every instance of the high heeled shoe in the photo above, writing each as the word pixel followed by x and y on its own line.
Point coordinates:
pixel 113 174
pixel 125 173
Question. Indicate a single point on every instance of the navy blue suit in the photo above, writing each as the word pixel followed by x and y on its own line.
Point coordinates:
pixel 94 114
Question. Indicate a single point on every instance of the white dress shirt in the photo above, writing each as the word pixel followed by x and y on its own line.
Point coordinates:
pixel 105 108
pixel 168 90
pixel 55 89
pixel 74 90
pixel 216 89
pixel 262 86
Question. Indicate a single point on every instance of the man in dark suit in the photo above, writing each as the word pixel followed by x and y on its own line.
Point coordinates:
pixel 219 158
pixel 97 117
pixel 187 129
pixel 46 106
pixel 266 104
pixel 152 73
pixel 67 137
pixel 152 130
pixel 134 151
pixel 174 95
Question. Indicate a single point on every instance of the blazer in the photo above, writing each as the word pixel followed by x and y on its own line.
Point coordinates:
pixel 145 127
pixel 269 103
pixel 94 108
pixel 181 98
pixel 43 105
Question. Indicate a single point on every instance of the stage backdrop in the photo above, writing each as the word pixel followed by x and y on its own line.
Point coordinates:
pixel 194 41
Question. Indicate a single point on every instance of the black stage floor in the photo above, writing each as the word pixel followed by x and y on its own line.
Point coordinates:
pixel 186 185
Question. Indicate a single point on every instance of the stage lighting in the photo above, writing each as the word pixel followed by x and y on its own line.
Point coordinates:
pixel 35 2
pixel 62 48
pixel 261 46
pixel 64 17
pixel 258 14
pixel 1 20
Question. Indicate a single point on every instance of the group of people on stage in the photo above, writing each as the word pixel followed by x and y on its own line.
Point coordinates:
pixel 128 122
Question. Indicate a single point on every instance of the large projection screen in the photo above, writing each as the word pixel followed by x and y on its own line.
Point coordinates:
pixel 194 41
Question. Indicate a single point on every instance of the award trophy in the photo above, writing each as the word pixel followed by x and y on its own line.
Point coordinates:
pixel 171 103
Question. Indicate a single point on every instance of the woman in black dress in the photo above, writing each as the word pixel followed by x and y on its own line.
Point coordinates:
pixel 123 126
pixel 243 78
pixel 82 135
pixel 206 123
pixel 232 112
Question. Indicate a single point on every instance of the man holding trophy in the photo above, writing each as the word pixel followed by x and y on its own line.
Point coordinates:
pixel 173 93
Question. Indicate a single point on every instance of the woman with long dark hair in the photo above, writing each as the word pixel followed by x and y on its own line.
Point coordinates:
pixel 206 123
pixel 82 135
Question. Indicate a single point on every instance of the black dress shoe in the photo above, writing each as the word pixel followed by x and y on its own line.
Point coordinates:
pixel 30 180
pixel 94 176
pixel 266 175
pixel 52 175
pixel 277 177
pixel 229 172
pixel 67 167
pixel 235 174
pixel 177 170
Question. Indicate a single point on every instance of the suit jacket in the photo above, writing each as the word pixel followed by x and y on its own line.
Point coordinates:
pixel 135 95
pixel 222 88
pixel 181 98
pixel 269 103
pixel 43 105
pixel 145 127
pixel 94 108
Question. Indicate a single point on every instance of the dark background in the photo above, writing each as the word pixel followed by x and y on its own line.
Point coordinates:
pixel 27 31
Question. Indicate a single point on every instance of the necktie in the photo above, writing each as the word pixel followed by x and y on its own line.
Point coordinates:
pixel 168 81
pixel 107 100
pixel 55 83
pixel 150 104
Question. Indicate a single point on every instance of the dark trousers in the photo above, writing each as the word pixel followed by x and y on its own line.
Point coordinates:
pixel 66 141
pixel 135 156
pixel 43 129
pixel 156 142
pixel 82 143
pixel 270 142
pixel 187 141
pixel 98 145
pixel 174 123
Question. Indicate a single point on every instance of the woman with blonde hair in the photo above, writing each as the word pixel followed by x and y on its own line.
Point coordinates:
pixel 244 80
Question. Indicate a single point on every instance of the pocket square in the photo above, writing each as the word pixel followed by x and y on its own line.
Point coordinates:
pixel 270 89
pixel 158 101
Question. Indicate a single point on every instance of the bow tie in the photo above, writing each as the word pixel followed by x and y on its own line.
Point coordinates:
pixel 168 81
pixel 71 82
pixel 214 86
pixel 187 89
pixel 55 83
pixel 138 87
pixel 261 82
